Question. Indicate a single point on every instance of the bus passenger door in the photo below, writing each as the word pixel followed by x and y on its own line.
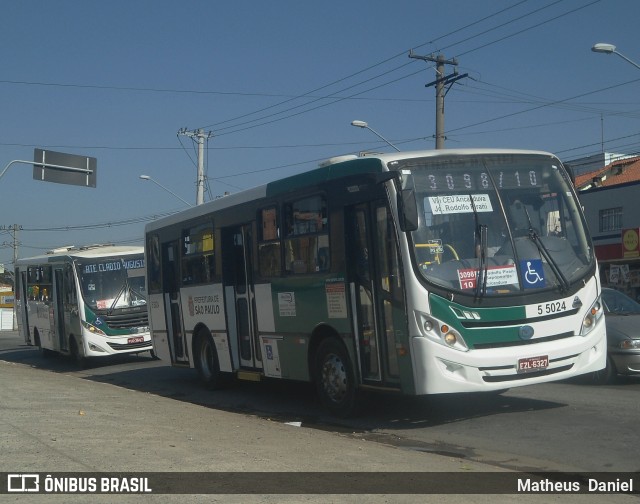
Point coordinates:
pixel 57 304
pixel 172 305
pixel 374 284
pixel 24 305
pixel 238 270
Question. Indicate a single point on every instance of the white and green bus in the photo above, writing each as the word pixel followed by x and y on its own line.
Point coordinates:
pixel 84 301
pixel 417 272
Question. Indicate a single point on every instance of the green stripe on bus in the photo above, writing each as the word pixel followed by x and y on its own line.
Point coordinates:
pixel 319 175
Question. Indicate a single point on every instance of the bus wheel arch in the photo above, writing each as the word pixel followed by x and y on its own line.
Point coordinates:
pixel 38 342
pixel 318 334
pixel 334 375
pixel 205 359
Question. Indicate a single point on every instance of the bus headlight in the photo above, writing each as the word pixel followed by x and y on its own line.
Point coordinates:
pixel 440 332
pixel 92 329
pixel 592 317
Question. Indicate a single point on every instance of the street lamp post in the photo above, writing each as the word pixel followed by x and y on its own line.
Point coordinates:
pixel 147 177
pixel 363 124
pixel 611 49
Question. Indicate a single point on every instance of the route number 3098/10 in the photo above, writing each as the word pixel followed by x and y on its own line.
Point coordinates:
pixel 553 307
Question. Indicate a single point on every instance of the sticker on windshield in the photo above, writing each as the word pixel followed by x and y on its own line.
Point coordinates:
pixel 102 304
pixel 459 203
pixel 496 276
pixel 532 273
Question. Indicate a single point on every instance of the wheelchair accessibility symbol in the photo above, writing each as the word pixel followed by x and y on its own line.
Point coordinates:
pixel 532 271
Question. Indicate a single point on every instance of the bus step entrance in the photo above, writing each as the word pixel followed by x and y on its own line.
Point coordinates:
pixel 249 375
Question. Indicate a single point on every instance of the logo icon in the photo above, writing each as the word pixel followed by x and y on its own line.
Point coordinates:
pixel 525 332
pixel 23 483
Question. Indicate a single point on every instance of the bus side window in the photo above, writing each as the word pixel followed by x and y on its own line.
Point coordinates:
pixel 269 260
pixel 307 241
pixel 198 254
pixel 153 264
pixel 39 283
pixel 69 289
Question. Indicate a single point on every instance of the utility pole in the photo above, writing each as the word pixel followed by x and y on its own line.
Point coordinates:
pixel 441 81
pixel 13 229
pixel 200 136
pixel 15 243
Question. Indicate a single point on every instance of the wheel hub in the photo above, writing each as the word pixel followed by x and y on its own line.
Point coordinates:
pixel 334 378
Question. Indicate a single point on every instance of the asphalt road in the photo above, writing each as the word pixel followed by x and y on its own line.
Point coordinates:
pixel 137 414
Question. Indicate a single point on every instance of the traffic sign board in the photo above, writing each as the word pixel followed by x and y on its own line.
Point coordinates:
pixel 50 166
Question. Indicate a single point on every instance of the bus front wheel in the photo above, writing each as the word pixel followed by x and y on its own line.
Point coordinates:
pixel 605 376
pixel 76 354
pixel 335 379
pixel 206 360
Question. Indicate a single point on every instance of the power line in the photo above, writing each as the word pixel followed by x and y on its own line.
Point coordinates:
pixel 551 103
pixel 350 76
pixel 555 18
pixel 309 94
pixel 522 98
pixel 337 100
pixel 332 96
pixel 530 28
pixel 124 222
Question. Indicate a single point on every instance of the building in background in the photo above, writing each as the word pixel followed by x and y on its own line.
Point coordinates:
pixel 596 162
pixel 6 300
pixel 610 196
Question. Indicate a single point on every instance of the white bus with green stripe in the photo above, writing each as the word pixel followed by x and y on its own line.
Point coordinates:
pixel 417 272
pixel 84 301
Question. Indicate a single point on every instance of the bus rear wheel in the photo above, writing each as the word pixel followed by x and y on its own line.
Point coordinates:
pixel 205 356
pixel 335 379
pixel 43 351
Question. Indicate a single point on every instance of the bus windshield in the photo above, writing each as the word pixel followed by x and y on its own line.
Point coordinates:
pixel 109 283
pixel 497 224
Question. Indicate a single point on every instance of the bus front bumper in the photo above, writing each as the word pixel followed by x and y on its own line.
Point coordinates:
pixel 98 345
pixel 439 369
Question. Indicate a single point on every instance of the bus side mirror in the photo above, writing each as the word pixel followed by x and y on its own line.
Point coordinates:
pixel 407 210
pixel 407 207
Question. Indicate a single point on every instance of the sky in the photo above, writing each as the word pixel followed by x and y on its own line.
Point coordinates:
pixel 275 85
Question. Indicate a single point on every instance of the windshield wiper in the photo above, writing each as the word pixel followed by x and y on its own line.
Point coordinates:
pixel 481 233
pixel 544 252
pixel 123 289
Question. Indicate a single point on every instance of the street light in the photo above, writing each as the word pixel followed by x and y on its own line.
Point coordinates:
pixel 147 177
pixel 362 124
pixel 611 49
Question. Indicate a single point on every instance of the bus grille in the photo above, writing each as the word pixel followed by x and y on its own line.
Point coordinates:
pixel 120 347
pixel 127 320
pixel 503 344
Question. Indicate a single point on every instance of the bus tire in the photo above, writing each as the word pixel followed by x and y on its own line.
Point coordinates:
pixel 205 357
pixel 335 378
pixel 605 376
pixel 76 355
